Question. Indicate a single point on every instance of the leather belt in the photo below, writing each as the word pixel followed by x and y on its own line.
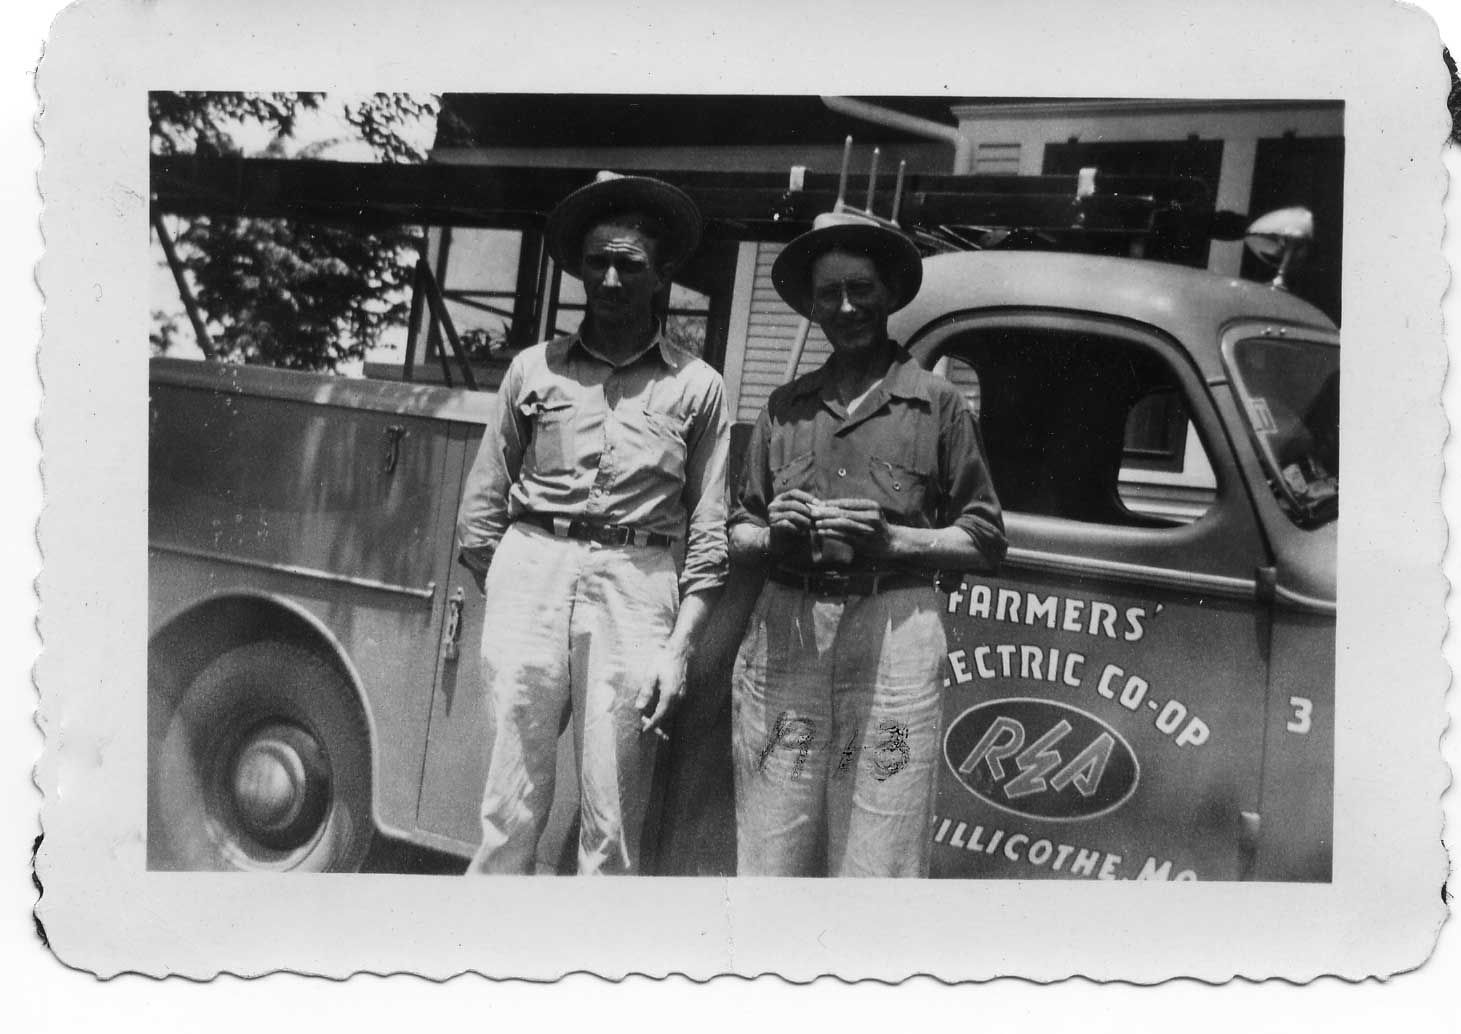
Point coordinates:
pixel 595 531
pixel 852 583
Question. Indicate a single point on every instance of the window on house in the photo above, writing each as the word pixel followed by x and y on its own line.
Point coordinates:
pixel 997 159
pixel 1306 171
pixel 1191 158
pixel 1156 432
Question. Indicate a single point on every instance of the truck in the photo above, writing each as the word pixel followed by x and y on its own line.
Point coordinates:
pixel 1143 691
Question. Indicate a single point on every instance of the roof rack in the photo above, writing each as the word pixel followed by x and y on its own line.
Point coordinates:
pixel 1086 211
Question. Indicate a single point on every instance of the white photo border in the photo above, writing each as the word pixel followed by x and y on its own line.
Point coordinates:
pixel 104 912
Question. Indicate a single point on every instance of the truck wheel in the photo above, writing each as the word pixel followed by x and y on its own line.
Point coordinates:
pixel 262 762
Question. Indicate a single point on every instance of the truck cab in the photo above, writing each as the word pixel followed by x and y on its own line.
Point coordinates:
pixel 1146 687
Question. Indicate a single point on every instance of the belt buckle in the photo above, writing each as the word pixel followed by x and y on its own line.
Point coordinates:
pixel 609 534
pixel 832 583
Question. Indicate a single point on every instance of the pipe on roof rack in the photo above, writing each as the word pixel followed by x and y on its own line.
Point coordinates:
pixel 963 148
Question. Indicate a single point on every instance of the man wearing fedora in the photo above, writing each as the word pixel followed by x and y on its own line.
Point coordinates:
pixel 607 458
pixel 865 479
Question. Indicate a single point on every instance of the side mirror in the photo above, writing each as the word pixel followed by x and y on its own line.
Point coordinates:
pixel 1280 239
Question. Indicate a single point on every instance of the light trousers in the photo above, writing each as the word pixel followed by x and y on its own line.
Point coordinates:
pixel 570 629
pixel 836 711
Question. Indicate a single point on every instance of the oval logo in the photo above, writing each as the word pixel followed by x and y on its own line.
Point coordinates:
pixel 1041 759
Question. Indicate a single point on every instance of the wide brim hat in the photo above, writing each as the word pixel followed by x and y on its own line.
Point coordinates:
pixel 611 194
pixel 896 256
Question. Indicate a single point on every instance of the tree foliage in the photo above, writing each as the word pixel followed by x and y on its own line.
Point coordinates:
pixel 298 295
pixel 293 294
pixel 201 123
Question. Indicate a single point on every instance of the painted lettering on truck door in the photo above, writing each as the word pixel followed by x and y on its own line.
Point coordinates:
pixel 1105 701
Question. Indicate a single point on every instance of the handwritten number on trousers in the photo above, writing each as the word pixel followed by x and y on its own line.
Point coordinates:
pixel 889 757
pixel 789 731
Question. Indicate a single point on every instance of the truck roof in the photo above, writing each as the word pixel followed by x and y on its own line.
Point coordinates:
pixel 1191 305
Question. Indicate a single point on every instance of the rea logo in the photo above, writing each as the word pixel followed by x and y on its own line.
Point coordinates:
pixel 1041 759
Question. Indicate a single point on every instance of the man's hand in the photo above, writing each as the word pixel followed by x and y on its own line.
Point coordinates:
pixel 858 522
pixel 790 520
pixel 663 688
pixel 477 559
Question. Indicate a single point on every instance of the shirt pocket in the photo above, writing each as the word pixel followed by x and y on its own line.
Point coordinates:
pixel 902 489
pixel 797 472
pixel 550 449
pixel 657 441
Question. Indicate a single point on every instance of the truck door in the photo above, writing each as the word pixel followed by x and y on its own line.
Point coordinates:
pixel 1104 716
pixel 455 769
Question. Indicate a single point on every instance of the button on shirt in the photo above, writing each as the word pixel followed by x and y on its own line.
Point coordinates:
pixel 643 444
pixel 912 445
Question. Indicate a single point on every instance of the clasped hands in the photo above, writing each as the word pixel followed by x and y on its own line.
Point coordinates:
pixel 795 515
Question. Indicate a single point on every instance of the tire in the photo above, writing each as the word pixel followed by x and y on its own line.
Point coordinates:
pixel 260 763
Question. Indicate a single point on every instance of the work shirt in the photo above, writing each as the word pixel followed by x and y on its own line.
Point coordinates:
pixel 912 446
pixel 643 445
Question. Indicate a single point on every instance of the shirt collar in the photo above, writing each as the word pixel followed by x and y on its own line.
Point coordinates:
pixel 904 379
pixel 671 354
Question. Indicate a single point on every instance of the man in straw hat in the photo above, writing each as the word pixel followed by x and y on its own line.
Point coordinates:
pixel 864 480
pixel 608 456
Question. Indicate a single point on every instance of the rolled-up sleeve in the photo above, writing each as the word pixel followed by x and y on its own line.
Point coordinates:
pixel 483 517
pixel 707 453
pixel 968 498
pixel 755 495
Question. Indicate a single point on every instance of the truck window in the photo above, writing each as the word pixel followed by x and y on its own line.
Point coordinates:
pixel 1290 395
pixel 1082 426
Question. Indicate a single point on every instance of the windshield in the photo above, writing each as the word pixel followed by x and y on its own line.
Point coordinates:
pixel 1290 394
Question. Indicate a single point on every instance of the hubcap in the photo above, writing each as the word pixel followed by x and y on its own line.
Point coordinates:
pixel 279 785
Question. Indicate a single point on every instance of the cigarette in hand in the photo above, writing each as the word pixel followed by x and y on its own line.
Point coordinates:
pixel 646 727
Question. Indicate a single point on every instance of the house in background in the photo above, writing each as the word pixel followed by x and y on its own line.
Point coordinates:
pixel 732 152
pixel 1256 156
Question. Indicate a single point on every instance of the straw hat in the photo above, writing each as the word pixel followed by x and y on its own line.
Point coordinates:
pixel 897 259
pixel 610 194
